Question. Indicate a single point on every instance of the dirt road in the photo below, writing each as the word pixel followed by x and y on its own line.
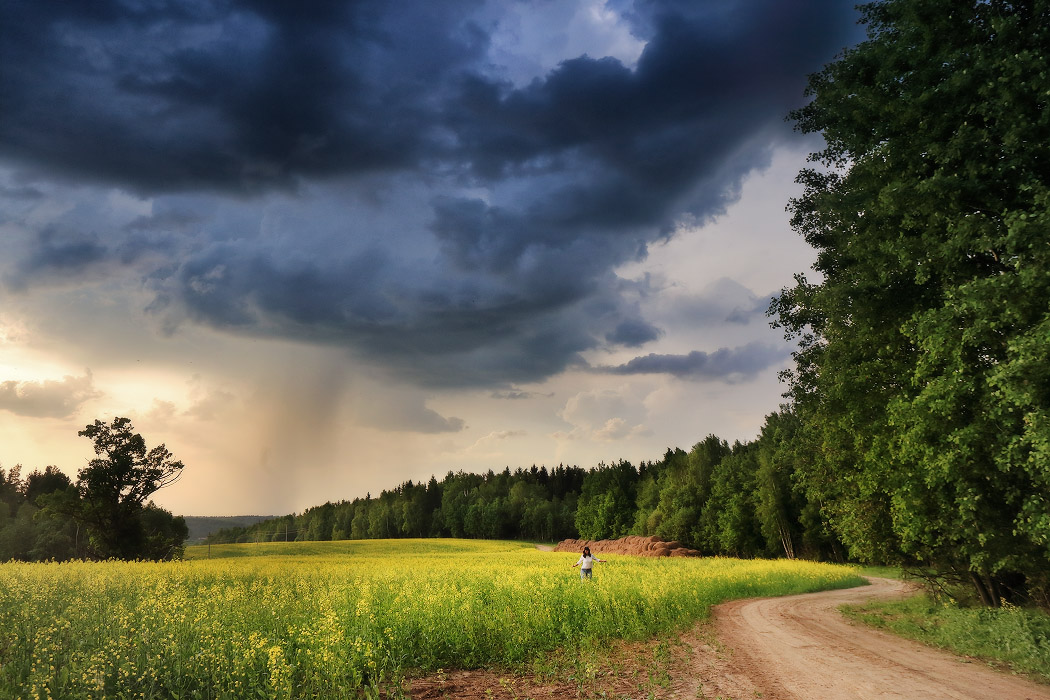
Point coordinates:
pixel 802 647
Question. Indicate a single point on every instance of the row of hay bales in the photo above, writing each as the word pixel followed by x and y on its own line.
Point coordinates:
pixel 635 545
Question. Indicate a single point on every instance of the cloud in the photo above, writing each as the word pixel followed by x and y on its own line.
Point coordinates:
pixel 618 429
pixel 720 302
pixel 725 364
pixel 633 332
pixel 404 411
pixel 48 398
pixel 213 405
pixel 604 415
pixel 234 95
pixel 162 411
pixel 487 444
pixel 382 177
pixel 517 394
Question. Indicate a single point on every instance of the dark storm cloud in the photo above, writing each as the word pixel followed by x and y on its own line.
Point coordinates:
pixel 633 333
pixel 641 141
pixel 240 95
pixel 730 364
pixel 66 253
pixel 23 193
pixel 409 417
pixel 439 332
pixel 530 194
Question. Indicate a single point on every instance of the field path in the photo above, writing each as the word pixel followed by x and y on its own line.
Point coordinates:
pixel 802 647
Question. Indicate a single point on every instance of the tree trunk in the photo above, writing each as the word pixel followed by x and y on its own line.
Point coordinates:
pixel 995 591
pixel 986 589
pixel 785 538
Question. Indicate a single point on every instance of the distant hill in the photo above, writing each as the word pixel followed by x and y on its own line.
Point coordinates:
pixel 203 525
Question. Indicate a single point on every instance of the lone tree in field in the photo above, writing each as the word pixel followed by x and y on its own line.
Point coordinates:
pixel 114 490
pixel 923 374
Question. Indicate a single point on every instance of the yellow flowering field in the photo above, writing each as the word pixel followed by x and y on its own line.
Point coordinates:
pixel 332 619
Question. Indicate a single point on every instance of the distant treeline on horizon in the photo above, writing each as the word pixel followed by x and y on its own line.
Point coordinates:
pixel 718 498
pixel 200 526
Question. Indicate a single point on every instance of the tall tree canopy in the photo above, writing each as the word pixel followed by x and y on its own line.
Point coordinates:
pixel 114 488
pixel 922 371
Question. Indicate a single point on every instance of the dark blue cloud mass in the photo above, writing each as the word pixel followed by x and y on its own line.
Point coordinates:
pixel 367 174
pixel 730 364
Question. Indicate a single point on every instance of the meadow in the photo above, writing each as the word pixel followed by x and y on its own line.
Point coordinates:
pixel 316 619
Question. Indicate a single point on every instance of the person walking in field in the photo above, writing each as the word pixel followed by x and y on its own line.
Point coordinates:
pixel 586 563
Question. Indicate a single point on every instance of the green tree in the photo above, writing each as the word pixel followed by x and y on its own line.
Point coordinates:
pixel 344 515
pixel 57 529
pixel 164 534
pixel 41 483
pixel 359 523
pixel 732 527
pixel 682 513
pixel 922 371
pixel 382 519
pixel 459 493
pixel 11 488
pixel 115 486
pixel 320 521
pixel 792 525
pixel 652 478
pixel 606 507
pixel 415 518
pixel 18 536
pixel 775 504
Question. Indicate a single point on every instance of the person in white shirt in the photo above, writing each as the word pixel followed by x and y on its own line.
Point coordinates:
pixel 586 563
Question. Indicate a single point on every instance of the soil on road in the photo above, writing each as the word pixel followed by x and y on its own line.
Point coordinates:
pixel 803 647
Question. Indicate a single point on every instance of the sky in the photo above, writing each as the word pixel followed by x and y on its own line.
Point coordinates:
pixel 320 249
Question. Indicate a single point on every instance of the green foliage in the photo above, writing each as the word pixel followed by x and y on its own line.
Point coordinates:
pixel 738 501
pixel 921 377
pixel 607 502
pixel 531 504
pixel 730 524
pixel 105 514
pixel 114 489
pixel 163 534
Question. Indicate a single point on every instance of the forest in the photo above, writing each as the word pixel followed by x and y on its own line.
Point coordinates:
pixel 735 500
pixel 105 514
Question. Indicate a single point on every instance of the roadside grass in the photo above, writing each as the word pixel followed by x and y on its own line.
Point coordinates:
pixel 1008 638
pixel 894 572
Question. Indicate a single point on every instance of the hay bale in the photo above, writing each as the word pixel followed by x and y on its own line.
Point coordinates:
pixel 631 545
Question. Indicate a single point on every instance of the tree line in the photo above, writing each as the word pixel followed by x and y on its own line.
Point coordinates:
pixel 531 503
pixel 105 514
pixel 738 500
pixel 922 377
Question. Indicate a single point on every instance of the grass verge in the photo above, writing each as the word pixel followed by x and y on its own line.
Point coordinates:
pixel 1009 638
